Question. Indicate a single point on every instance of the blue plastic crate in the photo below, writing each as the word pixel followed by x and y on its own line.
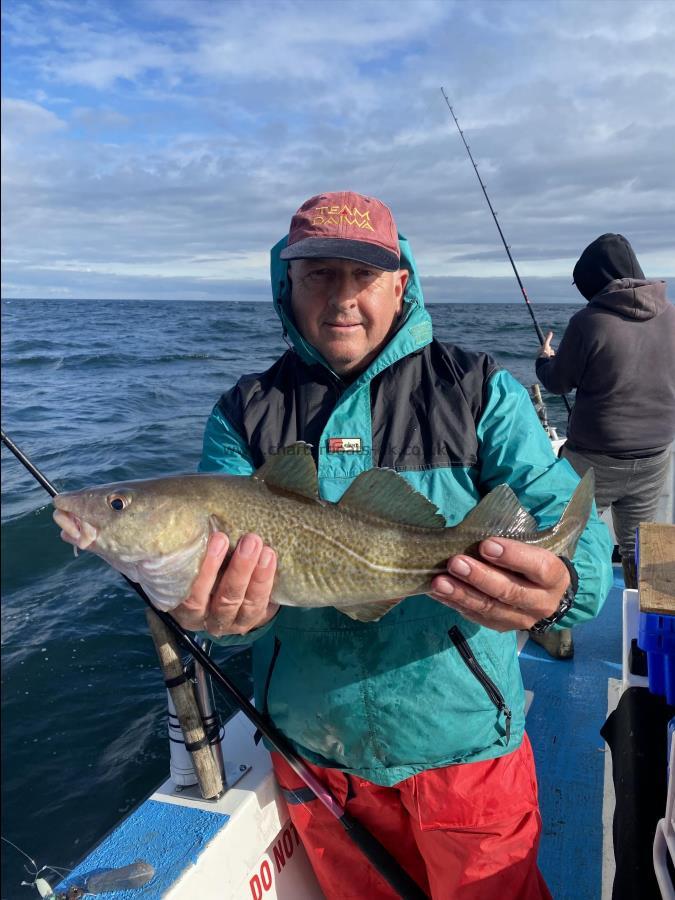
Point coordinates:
pixel 656 636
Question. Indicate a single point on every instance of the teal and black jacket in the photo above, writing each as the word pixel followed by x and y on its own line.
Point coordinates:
pixel 423 687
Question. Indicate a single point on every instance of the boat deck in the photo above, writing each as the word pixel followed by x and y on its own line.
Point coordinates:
pixel 571 700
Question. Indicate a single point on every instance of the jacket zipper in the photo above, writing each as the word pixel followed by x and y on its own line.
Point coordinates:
pixel 488 684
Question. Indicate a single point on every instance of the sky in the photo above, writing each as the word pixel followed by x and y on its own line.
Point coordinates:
pixel 156 149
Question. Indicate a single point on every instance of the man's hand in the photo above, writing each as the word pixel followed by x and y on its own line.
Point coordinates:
pixel 240 600
pixel 511 587
pixel 546 350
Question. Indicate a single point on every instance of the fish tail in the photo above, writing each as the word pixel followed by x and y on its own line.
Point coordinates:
pixel 576 513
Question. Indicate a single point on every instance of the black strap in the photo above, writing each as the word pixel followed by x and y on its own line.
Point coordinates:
pixel 258 736
pixel 574 575
pixel 174 682
pixel 197 745
pixel 566 601
pixel 298 795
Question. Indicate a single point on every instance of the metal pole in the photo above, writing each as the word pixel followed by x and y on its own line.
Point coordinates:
pixel 207 708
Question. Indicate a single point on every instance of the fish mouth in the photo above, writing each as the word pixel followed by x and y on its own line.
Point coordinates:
pixel 75 530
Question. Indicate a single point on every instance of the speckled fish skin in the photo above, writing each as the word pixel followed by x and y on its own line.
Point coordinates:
pixel 383 540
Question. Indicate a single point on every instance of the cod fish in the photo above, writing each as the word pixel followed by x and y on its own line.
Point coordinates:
pixel 382 540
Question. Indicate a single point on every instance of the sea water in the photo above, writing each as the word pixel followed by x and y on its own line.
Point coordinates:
pixel 100 391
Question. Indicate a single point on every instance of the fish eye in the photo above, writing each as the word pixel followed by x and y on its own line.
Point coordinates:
pixel 118 502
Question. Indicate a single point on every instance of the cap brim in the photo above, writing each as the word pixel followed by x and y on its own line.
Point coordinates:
pixel 339 248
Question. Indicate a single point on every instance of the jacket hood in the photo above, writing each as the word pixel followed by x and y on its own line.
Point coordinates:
pixel 413 333
pixel 633 298
pixel 606 259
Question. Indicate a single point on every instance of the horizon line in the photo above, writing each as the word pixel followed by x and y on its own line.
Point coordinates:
pixel 253 300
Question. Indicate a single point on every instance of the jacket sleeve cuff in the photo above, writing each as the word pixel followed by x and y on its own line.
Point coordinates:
pixel 541 367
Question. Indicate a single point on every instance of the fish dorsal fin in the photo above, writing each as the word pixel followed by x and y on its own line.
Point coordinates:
pixel 291 469
pixel 386 494
pixel 500 514
pixel 369 612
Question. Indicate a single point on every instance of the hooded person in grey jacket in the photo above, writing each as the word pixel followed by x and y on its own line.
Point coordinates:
pixel 619 354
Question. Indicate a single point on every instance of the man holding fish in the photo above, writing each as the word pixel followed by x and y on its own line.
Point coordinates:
pixel 405 515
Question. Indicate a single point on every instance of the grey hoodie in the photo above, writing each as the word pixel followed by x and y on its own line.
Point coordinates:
pixel 619 354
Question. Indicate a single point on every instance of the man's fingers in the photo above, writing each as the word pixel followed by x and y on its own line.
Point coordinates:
pixel 262 578
pixel 482 589
pixel 202 586
pixel 514 585
pixel 257 601
pixel 537 565
pixel 191 613
pixel 236 577
pixel 486 610
pixel 479 580
pixel 241 600
pixel 546 350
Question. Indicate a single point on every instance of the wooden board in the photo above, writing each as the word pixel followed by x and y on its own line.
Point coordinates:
pixel 656 576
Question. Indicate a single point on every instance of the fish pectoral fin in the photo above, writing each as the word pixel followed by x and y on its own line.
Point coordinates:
pixel 500 514
pixel 368 612
pixel 386 494
pixel 215 525
pixel 291 469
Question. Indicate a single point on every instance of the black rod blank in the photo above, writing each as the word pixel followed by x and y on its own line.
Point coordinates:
pixel 540 333
pixel 23 459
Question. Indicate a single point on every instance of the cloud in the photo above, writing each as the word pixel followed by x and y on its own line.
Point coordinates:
pixel 23 120
pixel 99 120
pixel 173 140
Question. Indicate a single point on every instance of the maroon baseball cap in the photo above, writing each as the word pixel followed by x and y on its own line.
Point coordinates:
pixel 344 225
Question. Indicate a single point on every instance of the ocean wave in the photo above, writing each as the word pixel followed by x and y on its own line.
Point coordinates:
pixel 33 362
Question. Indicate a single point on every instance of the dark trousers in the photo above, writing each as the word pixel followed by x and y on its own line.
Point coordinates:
pixel 631 487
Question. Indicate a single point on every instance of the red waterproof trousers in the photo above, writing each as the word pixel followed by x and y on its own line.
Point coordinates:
pixel 463 832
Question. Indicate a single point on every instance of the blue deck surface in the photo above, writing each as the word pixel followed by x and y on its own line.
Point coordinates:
pixel 563 722
pixel 168 836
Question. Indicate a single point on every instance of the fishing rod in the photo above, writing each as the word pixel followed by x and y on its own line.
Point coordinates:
pixel 372 849
pixel 540 333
